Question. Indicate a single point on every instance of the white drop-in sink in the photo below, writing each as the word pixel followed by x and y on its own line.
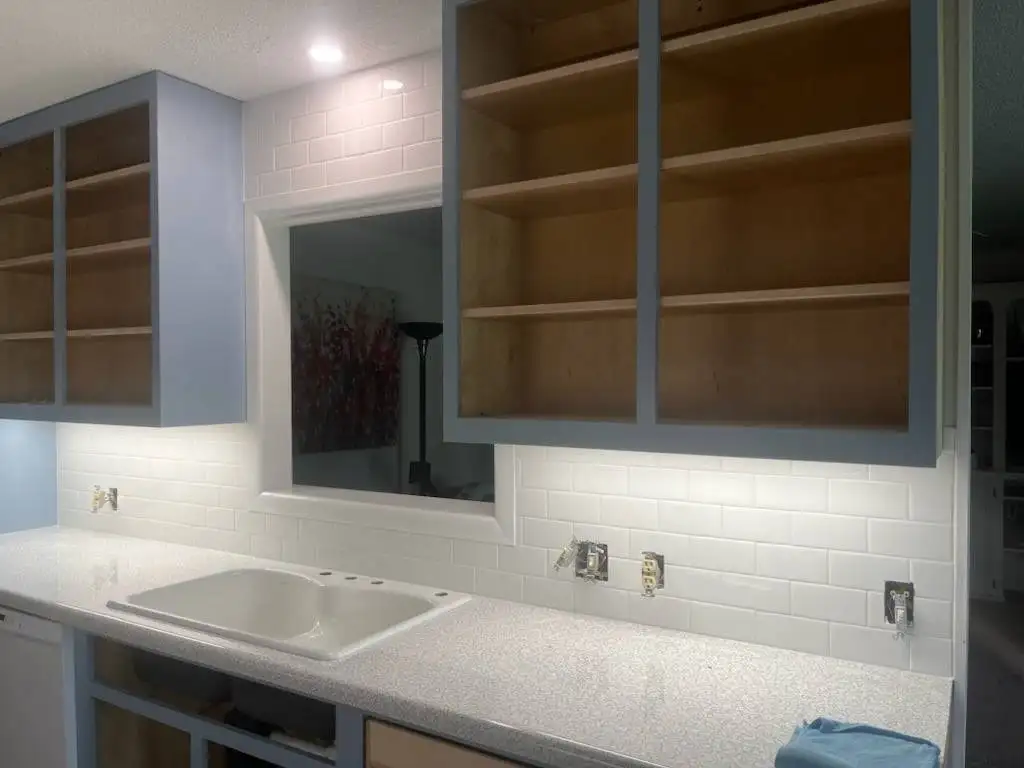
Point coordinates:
pixel 322 617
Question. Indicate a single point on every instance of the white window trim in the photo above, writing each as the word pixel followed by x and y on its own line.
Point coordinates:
pixel 268 331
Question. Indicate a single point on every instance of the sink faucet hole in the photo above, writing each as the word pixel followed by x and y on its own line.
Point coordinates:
pixel 440 594
pixel 351 578
pixel 325 573
pixel 376 581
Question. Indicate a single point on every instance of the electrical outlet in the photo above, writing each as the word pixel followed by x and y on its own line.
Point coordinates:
pixel 894 590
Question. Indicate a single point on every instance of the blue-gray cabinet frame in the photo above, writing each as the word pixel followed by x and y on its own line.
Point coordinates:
pixel 919 445
pixel 197 253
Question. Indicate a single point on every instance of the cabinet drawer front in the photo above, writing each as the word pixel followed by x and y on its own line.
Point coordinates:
pixel 391 747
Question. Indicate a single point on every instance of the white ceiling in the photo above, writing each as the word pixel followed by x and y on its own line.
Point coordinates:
pixel 51 50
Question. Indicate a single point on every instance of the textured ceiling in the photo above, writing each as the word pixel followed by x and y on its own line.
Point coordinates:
pixel 999 120
pixel 51 50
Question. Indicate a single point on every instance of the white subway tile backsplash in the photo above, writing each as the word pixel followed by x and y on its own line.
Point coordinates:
pixel 275 183
pixel 424 155
pixel 807 494
pixel 503 586
pixel 597 600
pixel 721 621
pixel 675 548
pixel 687 461
pixel 931 656
pixel 250 522
pixel 792 563
pixel 629 513
pixel 617 539
pixel 757 525
pixel 546 475
pixel 422 102
pixel 931 489
pixel 757 466
pixel 291 156
pixel 311 176
pixel 362 167
pixel 816 601
pixel 597 478
pixel 658 483
pixel 329 148
pixel 665 612
pixel 868 499
pixel 548 593
pixel 309 126
pixel 699 519
pixel 432 126
pixel 529 561
pixel 925 541
pixel 791 632
pixel 403 132
pixel 283 527
pixel 932 579
pixel 575 507
pixel 830 532
pixel 551 534
pixel 860 571
pixel 868 645
pixel 363 141
pixel 386 110
pixel 722 555
pixel 532 502
pixel 475 554
pixel 266 546
pixel 722 488
pixel 825 469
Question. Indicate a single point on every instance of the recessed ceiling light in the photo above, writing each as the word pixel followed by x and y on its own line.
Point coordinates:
pixel 393 85
pixel 325 53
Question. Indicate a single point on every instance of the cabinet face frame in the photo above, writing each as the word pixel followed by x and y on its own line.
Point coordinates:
pixel 919 445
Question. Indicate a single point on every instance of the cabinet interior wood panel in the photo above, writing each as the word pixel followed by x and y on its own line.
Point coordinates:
pixel 390 747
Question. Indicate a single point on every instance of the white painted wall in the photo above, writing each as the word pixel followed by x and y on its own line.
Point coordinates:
pixel 791 554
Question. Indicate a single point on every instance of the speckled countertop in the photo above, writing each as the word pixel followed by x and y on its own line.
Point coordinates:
pixel 537 685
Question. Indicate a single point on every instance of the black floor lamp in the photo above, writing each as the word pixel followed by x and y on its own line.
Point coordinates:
pixel 419 471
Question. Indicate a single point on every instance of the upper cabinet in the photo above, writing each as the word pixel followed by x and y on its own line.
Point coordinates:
pixel 121 258
pixel 698 227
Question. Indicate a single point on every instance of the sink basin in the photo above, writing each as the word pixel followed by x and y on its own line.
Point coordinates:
pixel 322 617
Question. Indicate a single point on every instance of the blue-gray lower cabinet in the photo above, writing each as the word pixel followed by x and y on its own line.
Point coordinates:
pixel 122 289
pixel 704 228
pixel 125 708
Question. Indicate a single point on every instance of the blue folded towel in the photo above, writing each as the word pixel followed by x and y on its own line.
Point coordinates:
pixel 828 744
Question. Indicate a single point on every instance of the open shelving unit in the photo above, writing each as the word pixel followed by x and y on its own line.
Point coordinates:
pixel 703 261
pixel 26 272
pixel 548 216
pixel 784 253
pixel 109 271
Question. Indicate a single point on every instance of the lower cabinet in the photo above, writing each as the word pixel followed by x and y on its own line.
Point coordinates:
pixel 388 746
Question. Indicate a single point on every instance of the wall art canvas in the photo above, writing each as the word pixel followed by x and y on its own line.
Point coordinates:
pixel 346 366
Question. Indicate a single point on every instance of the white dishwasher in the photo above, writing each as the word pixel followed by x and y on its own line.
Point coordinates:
pixel 31 684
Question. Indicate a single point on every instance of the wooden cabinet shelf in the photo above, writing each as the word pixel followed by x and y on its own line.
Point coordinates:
pixel 97 333
pixel 799 23
pixel 28 336
pixel 38 202
pixel 100 181
pixel 835 294
pixel 41 262
pixel 858 150
pixel 559 95
pixel 566 309
pixel 583 192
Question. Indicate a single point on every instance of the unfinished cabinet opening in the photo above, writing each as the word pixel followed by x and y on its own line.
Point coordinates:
pixel 548 152
pixel 109 280
pixel 26 272
pixel 549 99
pixel 785 226
pixel 550 367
